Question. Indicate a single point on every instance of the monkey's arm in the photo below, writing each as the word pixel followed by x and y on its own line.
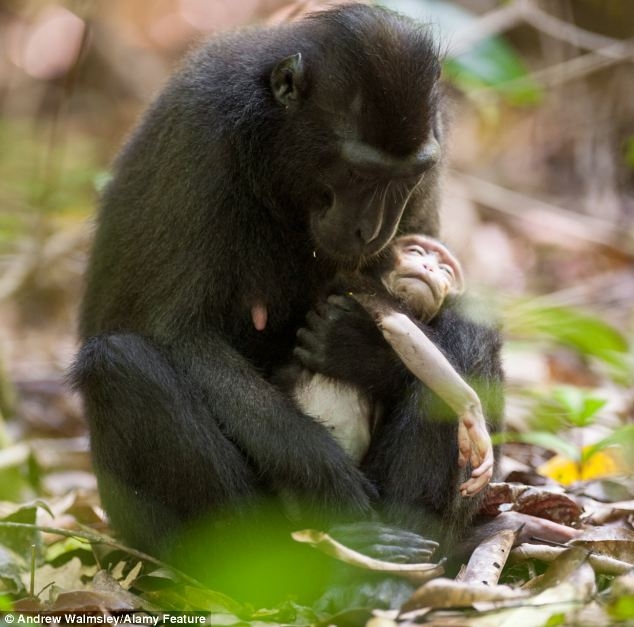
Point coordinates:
pixel 426 361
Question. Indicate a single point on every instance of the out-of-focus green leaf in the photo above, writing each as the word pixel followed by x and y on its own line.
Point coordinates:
pixel 40 179
pixel 66 549
pixel 623 608
pixel 492 63
pixel 587 334
pixel 187 598
pixel 489 63
pixel 580 406
pixel 555 620
pixel 5 604
pixel 562 407
pixel 546 440
pixel 623 437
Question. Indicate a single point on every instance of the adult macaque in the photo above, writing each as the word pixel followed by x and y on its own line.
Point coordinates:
pixel 269 145
pixel 419 275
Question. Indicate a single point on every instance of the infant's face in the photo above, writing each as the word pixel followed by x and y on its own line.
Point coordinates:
pixel 424 273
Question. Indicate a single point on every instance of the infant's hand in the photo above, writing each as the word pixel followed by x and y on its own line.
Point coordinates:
pixel 474 445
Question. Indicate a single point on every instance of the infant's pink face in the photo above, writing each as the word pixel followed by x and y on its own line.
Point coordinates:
pixel 424 274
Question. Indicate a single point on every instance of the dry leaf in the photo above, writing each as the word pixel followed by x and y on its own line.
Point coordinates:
pixel 324 543
pixel 616 542
pixel 444 592
pixel 487 561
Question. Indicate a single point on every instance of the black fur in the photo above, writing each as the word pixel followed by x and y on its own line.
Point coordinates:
pixel 413 453
pixel 219 201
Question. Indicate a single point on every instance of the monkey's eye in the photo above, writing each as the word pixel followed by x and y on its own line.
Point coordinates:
pixel 417 250
pixel 448 269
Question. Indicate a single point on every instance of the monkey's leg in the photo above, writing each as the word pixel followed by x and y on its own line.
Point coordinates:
pixel 159 459
pixel 176 486
pixel 411 460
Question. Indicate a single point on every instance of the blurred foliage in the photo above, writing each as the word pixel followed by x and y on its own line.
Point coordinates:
pixel 622 609
pixel 490 63
pixel 560 408
pixel 44 180
pixel 52 165
pixel 590 336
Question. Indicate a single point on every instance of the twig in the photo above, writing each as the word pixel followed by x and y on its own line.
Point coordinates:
pixel 505 18
pixel 95 538
pixel 568 70
pixel 565 31
pixel 521 207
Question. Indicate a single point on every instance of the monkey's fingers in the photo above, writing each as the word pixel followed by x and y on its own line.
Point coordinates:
pixel 485 461
pixel 478 452
pixel 476 484
pixel 346 303
pixel 464 445
pixel 308 350
pixel 480 440
pixel 485 466
pixel 315 319
pixel 307 339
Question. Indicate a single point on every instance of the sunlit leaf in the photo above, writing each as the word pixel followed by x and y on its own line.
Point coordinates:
pixel 623 608
pixel 5 604
pixel 67 547
pixel 597 465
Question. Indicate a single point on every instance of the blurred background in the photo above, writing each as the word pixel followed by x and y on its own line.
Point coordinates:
pixel 539 206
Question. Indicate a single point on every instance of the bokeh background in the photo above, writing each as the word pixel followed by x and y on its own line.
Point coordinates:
pixel 539 206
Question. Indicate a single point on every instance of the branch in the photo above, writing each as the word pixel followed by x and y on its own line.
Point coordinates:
pixel 565 31
pixel 521 207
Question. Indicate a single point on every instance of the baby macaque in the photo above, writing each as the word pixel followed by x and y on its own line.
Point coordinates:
pixel 421 275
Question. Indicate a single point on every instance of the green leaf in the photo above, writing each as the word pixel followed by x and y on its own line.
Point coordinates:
pixel 67 548
pixel 5 604
pixel 555 620
pixel 21 539
pixel 187 598
pixel 623 436
pixel 580 406
pixel 587 334
pixel 546 440
pixel 623 608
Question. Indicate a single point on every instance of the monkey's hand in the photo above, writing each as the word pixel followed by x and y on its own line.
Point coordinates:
pixel 341 340
pixel 474 446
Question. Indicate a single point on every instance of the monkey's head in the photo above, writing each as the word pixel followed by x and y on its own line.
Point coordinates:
pixel 361 118
pixel 422 274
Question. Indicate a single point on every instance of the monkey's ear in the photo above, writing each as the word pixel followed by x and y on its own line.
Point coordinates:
pixel 286 80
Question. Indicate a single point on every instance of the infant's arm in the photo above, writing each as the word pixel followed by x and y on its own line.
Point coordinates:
pixel 423 358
